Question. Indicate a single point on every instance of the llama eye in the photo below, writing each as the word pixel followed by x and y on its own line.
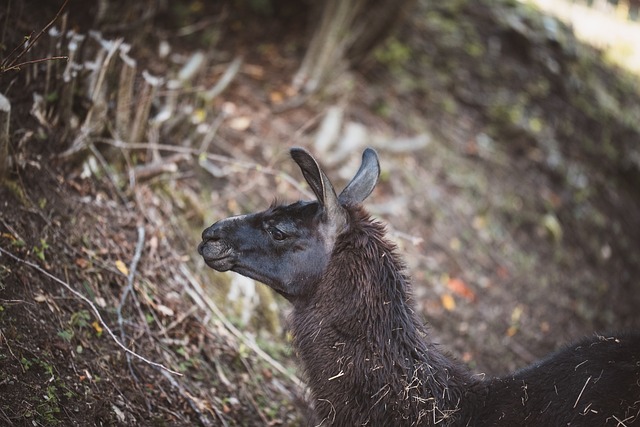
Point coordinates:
pixel 277 234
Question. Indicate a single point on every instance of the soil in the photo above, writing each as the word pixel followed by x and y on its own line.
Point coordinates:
pixel 518 218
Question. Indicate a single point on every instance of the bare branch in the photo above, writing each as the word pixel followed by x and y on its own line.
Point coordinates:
pixel 5 116
pixel 32 41
pixel 34 61
pixel 213 157
pixel 132 272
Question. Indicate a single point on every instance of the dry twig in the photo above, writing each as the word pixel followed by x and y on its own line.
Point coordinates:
pixel 93 308
pixel 132 272
pixel 5 120
pixel 12 64
pixel 214 157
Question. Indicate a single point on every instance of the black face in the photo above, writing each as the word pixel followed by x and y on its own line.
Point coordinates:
pixel 281 247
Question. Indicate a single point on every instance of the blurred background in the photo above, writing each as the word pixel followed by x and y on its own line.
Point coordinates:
pixel 509 139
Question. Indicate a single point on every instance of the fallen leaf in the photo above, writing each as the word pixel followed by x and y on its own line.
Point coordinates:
pixel 8 236
pixel 479 223
pixel 119 414
pixel 459 287
pixel 552 225
pixel 240 123
pixel 448 302
pixel 545 327
pixel 455 244
pixel 198 116
pixel 255 71
pixel 40 298
pixel 163 309
pixel 516 314
pixel 82 263
pixel 122 267
pixel 502 272
pixel 97 327
pixel 276 97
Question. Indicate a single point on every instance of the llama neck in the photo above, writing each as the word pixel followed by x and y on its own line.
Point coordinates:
pixel 367 357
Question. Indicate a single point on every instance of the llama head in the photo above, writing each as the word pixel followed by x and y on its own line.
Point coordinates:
pixel 288 247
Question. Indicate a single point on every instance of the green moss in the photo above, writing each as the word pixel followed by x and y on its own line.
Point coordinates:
pixel 17 191
pixel 475 49
pixel 536 124
pixel 449 104
pixel 393 54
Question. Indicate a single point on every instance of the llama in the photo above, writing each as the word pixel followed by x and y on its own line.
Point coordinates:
pixel 367 357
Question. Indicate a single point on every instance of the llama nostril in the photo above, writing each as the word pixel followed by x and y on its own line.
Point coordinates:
pixel 209 234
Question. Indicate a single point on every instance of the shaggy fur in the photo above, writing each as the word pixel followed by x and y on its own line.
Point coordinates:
pixel 367 357
pixel 365 354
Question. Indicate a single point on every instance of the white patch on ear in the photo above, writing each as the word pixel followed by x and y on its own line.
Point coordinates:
pixel 330 230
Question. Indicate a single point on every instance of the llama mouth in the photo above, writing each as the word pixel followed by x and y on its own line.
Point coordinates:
pixel 216 255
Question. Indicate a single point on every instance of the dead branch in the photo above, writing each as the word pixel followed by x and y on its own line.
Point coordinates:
pixel 158 167
pixel 14 65
pixel 107 170
pixel 145 99
pixel 34 61
pixel 225 80
pixel 132 272
pixel 95 116
pixel 5 119
pixel 6 418
pixel 93 308
pixel 6 341
pixel 214 157
pixel 125 95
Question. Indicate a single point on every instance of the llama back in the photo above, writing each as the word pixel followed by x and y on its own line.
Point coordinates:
pixel 593 382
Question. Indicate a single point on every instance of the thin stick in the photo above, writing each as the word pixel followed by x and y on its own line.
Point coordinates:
pixel 225 80
pixel 93 307
pixel 129 288
pixel 4 415
pixel 105 167
pixel 15 49
pixel 32 42
pixel 6 341
pixel 36 61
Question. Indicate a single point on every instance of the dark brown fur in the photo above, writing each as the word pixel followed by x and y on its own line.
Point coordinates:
pixel 364 351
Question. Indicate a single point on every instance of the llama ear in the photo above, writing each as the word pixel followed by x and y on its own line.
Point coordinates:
pixel 319 183
pixel 364 180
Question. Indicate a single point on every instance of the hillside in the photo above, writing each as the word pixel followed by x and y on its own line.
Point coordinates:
pixel 511 183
